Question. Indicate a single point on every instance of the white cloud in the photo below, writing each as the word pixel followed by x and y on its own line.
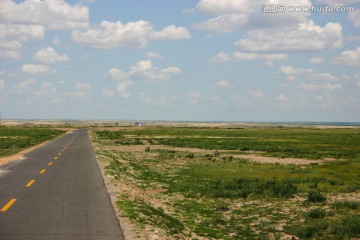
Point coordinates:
pixel 220 57
pixel 338 3
pixel 193 97
pixel 145 70
pixel 216 7
pixel 23 86
pixel 53 14
pixel 222 84
pixel 316 60
pixel 13 36
pixel 226 23
pixel 355 17
pixel 261 56
pixel 281 98
pixel 325 76
pixel 108 93
pixel 82 86
pixel 46 89
pixel 56 41
pixel 114 34
pixel 37 69
pixel 291 78
pixel 117 74
pixel 289 70
pixel 256 93
pixel 122 88
pixel 268 63
pixel 325 86
pixel 155 55
pixel 2 85
pixel 110 35
pixel 293 40
pixel 231 15
pixel 349 57
pixel 171 33
pixel 49 55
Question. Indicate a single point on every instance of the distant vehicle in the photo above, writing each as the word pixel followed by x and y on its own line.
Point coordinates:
pixel 138 124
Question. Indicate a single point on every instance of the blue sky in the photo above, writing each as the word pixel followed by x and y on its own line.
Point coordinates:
pixel 196 60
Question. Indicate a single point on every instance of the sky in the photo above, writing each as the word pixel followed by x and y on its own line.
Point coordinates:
pixel 193 60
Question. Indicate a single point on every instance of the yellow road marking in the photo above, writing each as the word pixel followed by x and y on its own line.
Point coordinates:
pixel 8 205
pixel 59 154
pixel 30 183
pixel 55 158
pixel 50 163
pixel 42 171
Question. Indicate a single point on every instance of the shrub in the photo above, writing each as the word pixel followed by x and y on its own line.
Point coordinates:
pixel 317 213
pixel 316 196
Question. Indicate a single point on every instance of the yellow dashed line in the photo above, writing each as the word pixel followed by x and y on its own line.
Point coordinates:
pixel 42 171
pixel 8 205
pixel 59 153
pixel 30 183
pixel 50 163
pixel 55 158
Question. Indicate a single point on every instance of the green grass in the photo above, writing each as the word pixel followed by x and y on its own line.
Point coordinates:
pixel 215 194
pixel 287 142
pixel 15 139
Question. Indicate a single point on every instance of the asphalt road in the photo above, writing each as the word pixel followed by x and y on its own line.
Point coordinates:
pixel 57 192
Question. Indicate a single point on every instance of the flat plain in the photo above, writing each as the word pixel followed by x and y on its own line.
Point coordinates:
pixel 218 182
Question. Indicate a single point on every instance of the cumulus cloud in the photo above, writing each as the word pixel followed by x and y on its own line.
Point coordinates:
pixel 325 86
pixel 259 56
pixel 355 17
pixel 117 74
pixel 348 57
pixel 143 70
pixel 289 70
pixel 53 14
pixel 13 36
pixel 222 84
pixel 231 15
pixel 256 93
pixel 82 86
pixel 2 85
pixel 226 23
pixel 281 98
pixel 108 35
pixel 37 69
pixel 316 60
pixel 293 40
pixel 171 33
pixel 122 88
pixel 46 89
pixel 155 55
pixel 23 86
pixel 220 57
pixel 49 55
pixel 108 92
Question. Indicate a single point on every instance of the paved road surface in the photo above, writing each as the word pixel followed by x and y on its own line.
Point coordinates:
pixel 57 192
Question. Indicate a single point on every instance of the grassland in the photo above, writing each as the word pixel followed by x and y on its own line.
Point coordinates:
pixel 199 183
pixel 14 139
